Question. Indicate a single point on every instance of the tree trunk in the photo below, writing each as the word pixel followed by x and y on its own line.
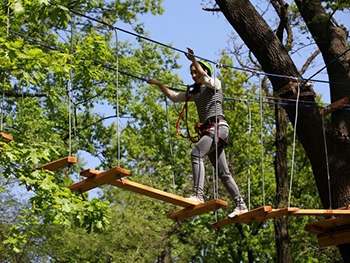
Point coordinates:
pixel 284 253
pixel 332 42
pixel 330 172
pixel 165 256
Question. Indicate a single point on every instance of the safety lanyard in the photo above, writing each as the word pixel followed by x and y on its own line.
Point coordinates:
pixel 188 136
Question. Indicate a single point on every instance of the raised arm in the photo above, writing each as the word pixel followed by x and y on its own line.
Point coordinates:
pixel 199 70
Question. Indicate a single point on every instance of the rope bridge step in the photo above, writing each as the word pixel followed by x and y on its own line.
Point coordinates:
pixel 153 193
pixel 113 177
pixel 5 137
pixel 201 208
pixel 265 212
pixel 254 215
pixel 58 164
pixel 96 178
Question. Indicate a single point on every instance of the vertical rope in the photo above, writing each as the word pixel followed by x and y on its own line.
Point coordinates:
pixel 2 111
pixel 216 131
pixel 170 143
pixel 249 152
pixel 262 141
pixel 3 94
pixel 293 151
pixel 22 109
pixel 70 113
pixel 69 91
pixel 8 19
pixel 327 163
pixel 117 93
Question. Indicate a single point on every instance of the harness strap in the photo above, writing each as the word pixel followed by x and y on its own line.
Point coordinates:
pixel 184 109
pixel 212 135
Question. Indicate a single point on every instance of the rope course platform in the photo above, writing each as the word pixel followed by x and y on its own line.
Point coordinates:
pixel 5 137
pixel 331 232
pixel 58 164
pixel 266 212
pixel 114 177
pixel 290 90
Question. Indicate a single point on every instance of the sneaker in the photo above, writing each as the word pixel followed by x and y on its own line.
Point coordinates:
pixel 237 211
pixel 196 198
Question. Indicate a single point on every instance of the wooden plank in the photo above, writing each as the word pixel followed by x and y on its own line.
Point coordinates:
pixel 322 212
pixel 199 209
pixel 89 173
pixel 61 163
pixel 5 137
pixel 334 238
pixel 314 229
pixel 258 214
pixel 325 225
pixel 96 178
pixel 153 193
pixel 334 106
pixel 281 212
pixel 288 88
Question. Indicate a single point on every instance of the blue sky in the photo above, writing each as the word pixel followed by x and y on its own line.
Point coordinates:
pixel 184 24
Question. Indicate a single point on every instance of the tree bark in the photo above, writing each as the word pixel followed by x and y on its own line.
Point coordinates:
pixel 284 253
pixel 331 171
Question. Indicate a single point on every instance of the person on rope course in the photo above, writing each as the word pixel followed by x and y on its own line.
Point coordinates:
pixel 206 92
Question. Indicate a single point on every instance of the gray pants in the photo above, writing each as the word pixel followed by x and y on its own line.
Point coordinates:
pixel 206 146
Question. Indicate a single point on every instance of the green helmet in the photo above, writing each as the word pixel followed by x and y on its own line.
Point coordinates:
pixel 207 66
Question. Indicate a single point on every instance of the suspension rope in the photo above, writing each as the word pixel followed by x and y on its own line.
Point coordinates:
pixel 216 143
pixel 294 140
pixel 262 141
pixel 22 109
pixel 2 111
pixel 170 144
pixel 271 99
pixel 327 163
pixel 331 62
pixel 69 93
pixel 249 151
pixel 3 94
pixel 117 94
pixel 216 138
pixel 184 52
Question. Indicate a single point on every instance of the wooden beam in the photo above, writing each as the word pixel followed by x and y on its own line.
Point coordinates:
pixel 96 178
pixel 199 209
pixel 89 173
pixel 332 231
pixel 282 212
pixel 258 214
pixel 323 226
pixel 334 106
pixel 334 238
pixel 265 212
pixel 61 163
pixel 153 193
pixel 5 137
pixel 287 90
pixel 321 212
